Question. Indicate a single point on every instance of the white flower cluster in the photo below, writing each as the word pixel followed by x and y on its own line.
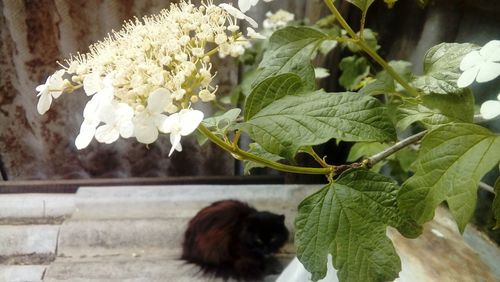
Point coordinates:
pixel 277 20
pixel 481 66
pixel 144 78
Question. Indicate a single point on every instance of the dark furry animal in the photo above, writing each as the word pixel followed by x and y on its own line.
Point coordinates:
pixel 230 239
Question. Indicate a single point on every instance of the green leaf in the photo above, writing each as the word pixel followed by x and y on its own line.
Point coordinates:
pixel 257 150
pixel 452 160
pixel 436 109
pixel 370 37
pixel 496 203
pixel 290 51
pixel 312 118
pixel 270 90
pixel 383 84
pixel 362 4
pixel 222 123
pixel 442 68
pixel 348 219
pixel 354 69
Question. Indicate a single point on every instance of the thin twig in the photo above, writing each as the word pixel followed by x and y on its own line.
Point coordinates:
pixel 394 148
pixel 486 187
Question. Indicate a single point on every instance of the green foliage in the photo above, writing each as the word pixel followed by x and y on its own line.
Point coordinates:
pixel 270 90
pixel 348 219
pixel 222 123
pixel 362 4
pixel 452 160
pixel 294 120
pixel 257 150
pixel 289 51
pixel 354 69
pixel 436 109
pixel 496 203
pixel 369 37
pixel 441 68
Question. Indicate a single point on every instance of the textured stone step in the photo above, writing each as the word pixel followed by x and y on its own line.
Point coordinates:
pixel 120 236
pixel 28 239
pixel 21 273
pixel 183 201
pixel 36 205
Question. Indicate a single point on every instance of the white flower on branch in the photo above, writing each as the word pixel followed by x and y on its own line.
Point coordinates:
pixel 53 88
pixel 238 14
pixel 245 5
pixel 277 20
pixel 482 65
pixel 490 108
pixel 181 124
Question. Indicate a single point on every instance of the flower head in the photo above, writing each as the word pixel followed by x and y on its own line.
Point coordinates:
pixel 277 20
pixel 482 65
pixel 151 68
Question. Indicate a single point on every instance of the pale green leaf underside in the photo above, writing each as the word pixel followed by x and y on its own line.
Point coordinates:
pixel 221 124
pixel 452 160
pixel 290 51
pixel 313 118
pixel 441 68
pixel 365 149
pixel 436 109
pixel 257 150
pixel 348 219
pixel 354 69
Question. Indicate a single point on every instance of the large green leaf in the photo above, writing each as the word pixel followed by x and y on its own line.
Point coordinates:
pixel 348 219
pixel 257 150
pixel 312 118
pixel 452 160
pixel 362 4
pixel 496 203
pixel 436 109
pixel 270 90
pixel 354 69
pixel 442 68
pixel 290 51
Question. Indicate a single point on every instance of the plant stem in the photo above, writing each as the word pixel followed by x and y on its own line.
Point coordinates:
pixel 394 148
pixel 368 50
pixel 317 158
pixel 243 155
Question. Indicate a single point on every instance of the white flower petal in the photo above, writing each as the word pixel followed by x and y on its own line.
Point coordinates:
pixel 41 88
pixel 107 113
pixel 86 135
pixel 175 140
pixel 170 123
pixel 145 133
pixel 488 71
pixel 158 100
pixel 92 83
pixel 238 14
pixel 245 5
pixel 470 60
pixel 126 129
pixel 107 134
pixel 189 121
pixel 467 77
pixel 44 103
pixel 490 109
pixel 491 50
pixel 498 97
pixel 253 34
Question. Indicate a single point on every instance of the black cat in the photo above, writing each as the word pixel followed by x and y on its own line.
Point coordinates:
pixel 230 239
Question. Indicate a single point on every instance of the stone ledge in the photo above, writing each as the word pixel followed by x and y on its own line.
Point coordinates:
pixel 22 273
pixel 36 205
pixel 28 239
